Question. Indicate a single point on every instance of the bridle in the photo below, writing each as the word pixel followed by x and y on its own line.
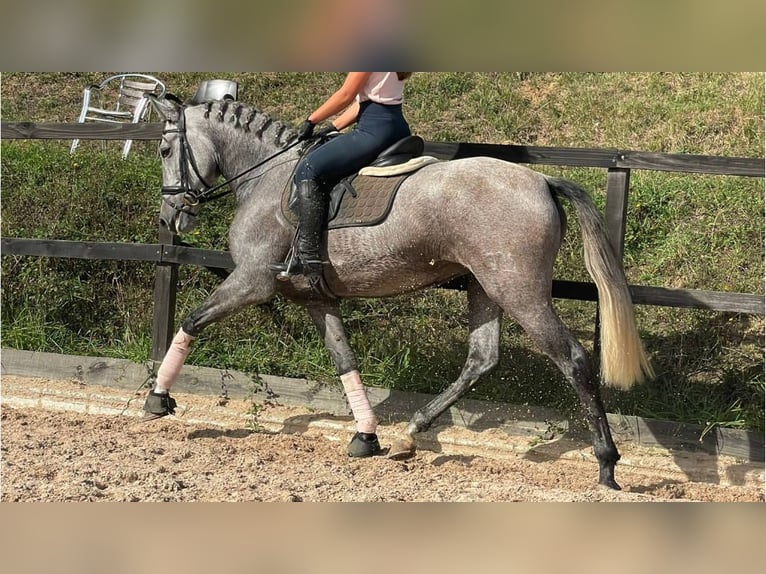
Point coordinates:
pixel 193 197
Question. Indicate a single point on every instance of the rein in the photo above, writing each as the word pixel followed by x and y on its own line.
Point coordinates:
pixel 193 197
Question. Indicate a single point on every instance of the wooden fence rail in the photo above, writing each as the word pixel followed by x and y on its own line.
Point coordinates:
pixel 181 255
pixel 168 255
pixel 565 157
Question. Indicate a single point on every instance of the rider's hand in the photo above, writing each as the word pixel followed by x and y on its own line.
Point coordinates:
pixel 305 131
pixel 325 130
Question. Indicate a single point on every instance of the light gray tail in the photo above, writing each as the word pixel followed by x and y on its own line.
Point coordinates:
pixel 623 359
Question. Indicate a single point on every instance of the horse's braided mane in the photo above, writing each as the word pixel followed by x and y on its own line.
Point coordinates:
pixel 236 115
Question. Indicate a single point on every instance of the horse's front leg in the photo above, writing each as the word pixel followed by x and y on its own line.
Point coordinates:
pixel 239 290
pixel 328 321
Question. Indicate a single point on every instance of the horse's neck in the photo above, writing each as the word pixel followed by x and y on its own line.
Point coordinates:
pixel 267 181
pixel 255 140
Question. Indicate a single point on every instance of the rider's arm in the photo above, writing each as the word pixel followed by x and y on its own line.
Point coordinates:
pixel 348 117
pixel 341 99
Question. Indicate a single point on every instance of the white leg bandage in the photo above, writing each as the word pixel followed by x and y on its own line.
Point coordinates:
pixel 360 405
pixel 174 360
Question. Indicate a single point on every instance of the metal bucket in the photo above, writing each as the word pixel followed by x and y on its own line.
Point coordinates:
pixel 215 90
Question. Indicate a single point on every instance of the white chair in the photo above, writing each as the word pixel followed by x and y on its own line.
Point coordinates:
pixel 119 99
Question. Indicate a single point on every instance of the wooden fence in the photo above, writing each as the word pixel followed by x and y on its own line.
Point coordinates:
pixel 167 254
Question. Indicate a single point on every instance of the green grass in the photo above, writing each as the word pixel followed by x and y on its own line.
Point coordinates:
pixel 688 231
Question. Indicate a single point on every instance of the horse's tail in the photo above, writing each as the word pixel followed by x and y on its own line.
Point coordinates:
pixel 623 358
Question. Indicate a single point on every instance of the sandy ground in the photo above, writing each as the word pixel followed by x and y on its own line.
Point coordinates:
pixel 62 442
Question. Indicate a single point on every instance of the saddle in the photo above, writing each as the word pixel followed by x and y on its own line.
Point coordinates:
pixel 365 198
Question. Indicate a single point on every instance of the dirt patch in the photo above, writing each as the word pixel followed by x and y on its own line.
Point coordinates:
pixel 64 442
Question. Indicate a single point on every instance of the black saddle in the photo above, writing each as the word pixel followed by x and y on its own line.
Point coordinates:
pixel 401 152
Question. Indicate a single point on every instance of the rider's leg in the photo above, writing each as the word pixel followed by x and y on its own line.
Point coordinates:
pixel 312 213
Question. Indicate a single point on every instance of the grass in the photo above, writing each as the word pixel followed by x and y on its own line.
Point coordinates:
pixel 690 231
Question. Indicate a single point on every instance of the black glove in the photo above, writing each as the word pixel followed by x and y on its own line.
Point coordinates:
pixel 325 130
pixel 305 131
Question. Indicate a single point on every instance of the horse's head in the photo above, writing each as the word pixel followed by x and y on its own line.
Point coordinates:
pixel 188 164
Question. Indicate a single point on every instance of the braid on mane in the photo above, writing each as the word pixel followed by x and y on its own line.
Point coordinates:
pixel 250 116
pixel 222 109
pixel 237 115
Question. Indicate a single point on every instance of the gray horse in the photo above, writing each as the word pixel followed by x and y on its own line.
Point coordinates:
pixel 497 223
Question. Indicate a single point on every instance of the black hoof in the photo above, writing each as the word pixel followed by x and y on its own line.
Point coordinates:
pixel 364 445
pixel 606 476
pixel 158 405
pixel 611 484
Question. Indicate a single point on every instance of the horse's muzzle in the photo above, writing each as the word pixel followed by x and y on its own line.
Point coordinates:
pixel 168 224
pixel 178 219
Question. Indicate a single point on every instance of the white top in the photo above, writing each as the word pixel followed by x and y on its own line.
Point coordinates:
pixel 383 88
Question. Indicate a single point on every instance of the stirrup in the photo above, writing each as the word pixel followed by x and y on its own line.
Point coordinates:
pixel 293 267
pixel 285 270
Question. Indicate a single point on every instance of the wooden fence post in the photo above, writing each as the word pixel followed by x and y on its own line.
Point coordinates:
pixel 165 284
pixel 616 209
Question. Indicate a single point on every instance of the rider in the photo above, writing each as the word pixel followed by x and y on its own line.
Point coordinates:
pixel 374 101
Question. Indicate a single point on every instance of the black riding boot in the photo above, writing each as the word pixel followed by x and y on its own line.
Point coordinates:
pixel 312 212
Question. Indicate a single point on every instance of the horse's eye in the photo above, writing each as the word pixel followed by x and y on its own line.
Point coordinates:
pixel 165 152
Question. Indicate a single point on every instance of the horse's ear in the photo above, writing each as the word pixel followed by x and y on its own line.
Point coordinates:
pixel 169 107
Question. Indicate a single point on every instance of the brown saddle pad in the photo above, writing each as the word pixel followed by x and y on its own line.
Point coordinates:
pixel 358 201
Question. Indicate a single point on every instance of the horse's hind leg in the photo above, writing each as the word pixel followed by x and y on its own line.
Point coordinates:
pixel 547 331
pixel 328 321
pixel 484 318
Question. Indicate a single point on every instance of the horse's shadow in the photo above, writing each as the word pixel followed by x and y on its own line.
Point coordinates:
pixel 465 460
pixel 214 433
pixel 300 424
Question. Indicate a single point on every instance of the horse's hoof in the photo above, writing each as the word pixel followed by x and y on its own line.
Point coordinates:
pixel 364 445
pixel 606 476
pixel 610 484
pixel 158 406
pixel 402 449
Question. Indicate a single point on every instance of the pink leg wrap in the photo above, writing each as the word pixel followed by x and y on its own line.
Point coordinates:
pixel 174 359
pixel 360 406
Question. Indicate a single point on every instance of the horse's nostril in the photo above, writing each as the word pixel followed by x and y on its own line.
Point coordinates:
pixel 163 223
